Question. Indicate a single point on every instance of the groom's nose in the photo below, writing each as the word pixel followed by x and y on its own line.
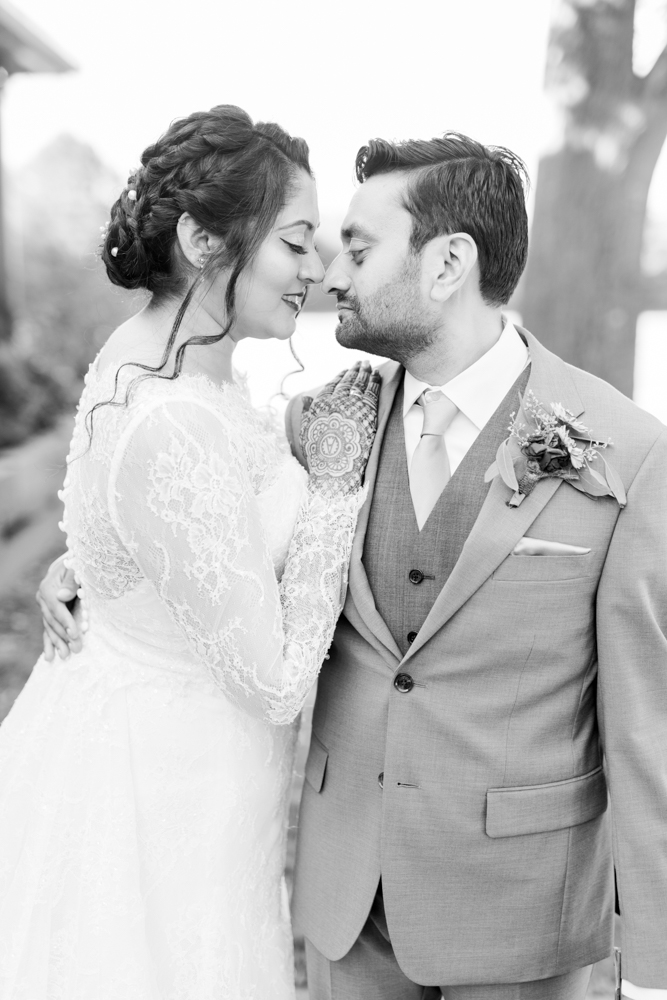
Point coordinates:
pixel 336 279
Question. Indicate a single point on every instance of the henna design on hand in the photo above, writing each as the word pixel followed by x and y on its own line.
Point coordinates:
pixel 338 429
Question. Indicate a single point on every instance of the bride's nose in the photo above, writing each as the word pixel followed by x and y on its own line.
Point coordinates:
pixel 312 269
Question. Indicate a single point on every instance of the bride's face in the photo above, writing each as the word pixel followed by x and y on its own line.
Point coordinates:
pixel 271 292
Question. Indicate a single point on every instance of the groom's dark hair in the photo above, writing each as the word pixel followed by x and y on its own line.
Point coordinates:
pixel 457 185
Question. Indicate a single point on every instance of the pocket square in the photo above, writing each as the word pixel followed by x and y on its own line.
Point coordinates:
pixel 527 546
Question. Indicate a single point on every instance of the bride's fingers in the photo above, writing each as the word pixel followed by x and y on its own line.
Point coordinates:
pixel 60 647
pixel 332 385
pixel 49 651
pixel 348 380
pixel 361 381
pixel 50 622
pixel 59 620
pixel 374 384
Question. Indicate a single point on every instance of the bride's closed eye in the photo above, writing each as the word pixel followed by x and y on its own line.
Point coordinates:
pixel 294 247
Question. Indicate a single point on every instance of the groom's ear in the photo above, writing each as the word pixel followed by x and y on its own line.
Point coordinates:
pixel 449 260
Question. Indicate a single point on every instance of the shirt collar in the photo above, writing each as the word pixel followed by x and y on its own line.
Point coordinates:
pixel 479 389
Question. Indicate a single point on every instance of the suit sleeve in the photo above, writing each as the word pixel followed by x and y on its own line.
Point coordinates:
pixel 632 709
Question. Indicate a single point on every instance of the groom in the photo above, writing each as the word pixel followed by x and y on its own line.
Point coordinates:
pixel 490 729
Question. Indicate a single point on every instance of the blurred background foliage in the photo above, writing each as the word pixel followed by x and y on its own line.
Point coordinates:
pixel 63 306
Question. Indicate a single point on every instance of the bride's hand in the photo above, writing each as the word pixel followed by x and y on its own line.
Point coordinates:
pixel 338 428
pixel 58 589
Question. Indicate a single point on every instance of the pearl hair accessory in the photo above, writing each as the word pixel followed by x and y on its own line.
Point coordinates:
pixel 114 251
pixel 132 195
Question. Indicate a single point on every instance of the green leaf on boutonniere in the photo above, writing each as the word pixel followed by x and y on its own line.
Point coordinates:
pixel 506 465
pixel 616 486
pixel 599 478
pixel 591 482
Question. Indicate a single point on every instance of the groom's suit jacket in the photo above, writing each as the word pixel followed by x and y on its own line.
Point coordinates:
pixel 468 726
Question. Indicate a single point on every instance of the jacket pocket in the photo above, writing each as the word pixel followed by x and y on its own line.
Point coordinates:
pixel 544 569
pixel 513 812
pixel 316 765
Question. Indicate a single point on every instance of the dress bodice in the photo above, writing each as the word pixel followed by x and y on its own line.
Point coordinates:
pixel 95 551
pixel 180 512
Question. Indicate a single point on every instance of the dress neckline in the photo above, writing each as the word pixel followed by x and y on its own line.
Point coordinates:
pixel 108 374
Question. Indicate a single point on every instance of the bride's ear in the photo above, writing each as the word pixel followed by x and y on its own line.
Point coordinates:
pixel 195 242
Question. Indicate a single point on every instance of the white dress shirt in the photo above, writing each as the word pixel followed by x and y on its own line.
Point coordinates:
pixel 478 392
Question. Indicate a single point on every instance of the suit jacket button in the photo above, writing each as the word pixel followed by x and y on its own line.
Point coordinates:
pixel 415 576
pixel 403 683
pixel 381 779
pixel 411 637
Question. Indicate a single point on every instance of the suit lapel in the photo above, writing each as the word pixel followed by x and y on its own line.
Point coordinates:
pixel 360 607
pixel 498 527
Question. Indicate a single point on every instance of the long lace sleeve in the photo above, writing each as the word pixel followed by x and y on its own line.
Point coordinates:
pixel 181 500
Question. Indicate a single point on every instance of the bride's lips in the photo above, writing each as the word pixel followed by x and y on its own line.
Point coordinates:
pixel 295 300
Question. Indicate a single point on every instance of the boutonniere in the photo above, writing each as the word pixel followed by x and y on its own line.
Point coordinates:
pixel 552 444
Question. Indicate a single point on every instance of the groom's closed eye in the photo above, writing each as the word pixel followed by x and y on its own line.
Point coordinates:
pixel 357 249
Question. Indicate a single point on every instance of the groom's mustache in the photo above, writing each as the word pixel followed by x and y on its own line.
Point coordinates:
pixel 348 302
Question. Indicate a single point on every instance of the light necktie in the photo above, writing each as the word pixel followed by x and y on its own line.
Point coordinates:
pixel 429 469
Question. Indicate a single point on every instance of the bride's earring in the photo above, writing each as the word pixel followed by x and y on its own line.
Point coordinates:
pixel 202 259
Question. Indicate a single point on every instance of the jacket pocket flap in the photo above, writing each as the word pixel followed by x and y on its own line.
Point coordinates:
pixel 316 765
pixel 513 812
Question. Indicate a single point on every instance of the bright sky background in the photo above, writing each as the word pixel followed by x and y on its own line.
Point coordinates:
pixel 336 72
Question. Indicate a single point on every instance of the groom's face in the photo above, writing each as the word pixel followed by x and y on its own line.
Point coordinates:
pixel 383 306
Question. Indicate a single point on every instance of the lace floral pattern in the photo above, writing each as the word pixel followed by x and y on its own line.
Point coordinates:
pixel 144 782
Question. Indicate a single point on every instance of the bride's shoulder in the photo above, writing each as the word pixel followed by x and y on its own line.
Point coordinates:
pixel 194 397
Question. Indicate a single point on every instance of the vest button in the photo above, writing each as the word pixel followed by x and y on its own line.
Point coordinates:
pixel 381 779
pixel 412 636
pixel 403 683
pixel 415 576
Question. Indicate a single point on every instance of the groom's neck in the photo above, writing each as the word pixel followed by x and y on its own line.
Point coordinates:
pixel 461 340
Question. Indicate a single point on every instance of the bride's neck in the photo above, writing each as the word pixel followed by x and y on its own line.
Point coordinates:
pixel 213 360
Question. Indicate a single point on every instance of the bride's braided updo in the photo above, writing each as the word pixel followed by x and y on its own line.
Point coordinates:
pixel 232 176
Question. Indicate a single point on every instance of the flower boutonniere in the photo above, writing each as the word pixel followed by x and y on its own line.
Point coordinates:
pixel 551 443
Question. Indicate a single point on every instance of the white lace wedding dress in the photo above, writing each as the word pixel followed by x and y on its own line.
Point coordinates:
pixel 144 782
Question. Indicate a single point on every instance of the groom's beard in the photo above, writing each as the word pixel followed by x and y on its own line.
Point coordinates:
pixel 390 324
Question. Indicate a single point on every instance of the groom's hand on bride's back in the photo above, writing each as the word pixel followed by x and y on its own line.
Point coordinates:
pixel 337 430
pixel 57 596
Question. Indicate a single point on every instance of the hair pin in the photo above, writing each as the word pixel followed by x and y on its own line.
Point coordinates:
pixel 114 251
pixel 132 195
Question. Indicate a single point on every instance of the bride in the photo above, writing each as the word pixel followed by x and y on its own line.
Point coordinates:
pixel 144 780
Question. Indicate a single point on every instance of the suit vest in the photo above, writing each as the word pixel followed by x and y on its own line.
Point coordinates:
pixel 407 568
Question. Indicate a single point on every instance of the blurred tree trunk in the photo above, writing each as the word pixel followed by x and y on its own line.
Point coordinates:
pixel 584 288
pixel 6 323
